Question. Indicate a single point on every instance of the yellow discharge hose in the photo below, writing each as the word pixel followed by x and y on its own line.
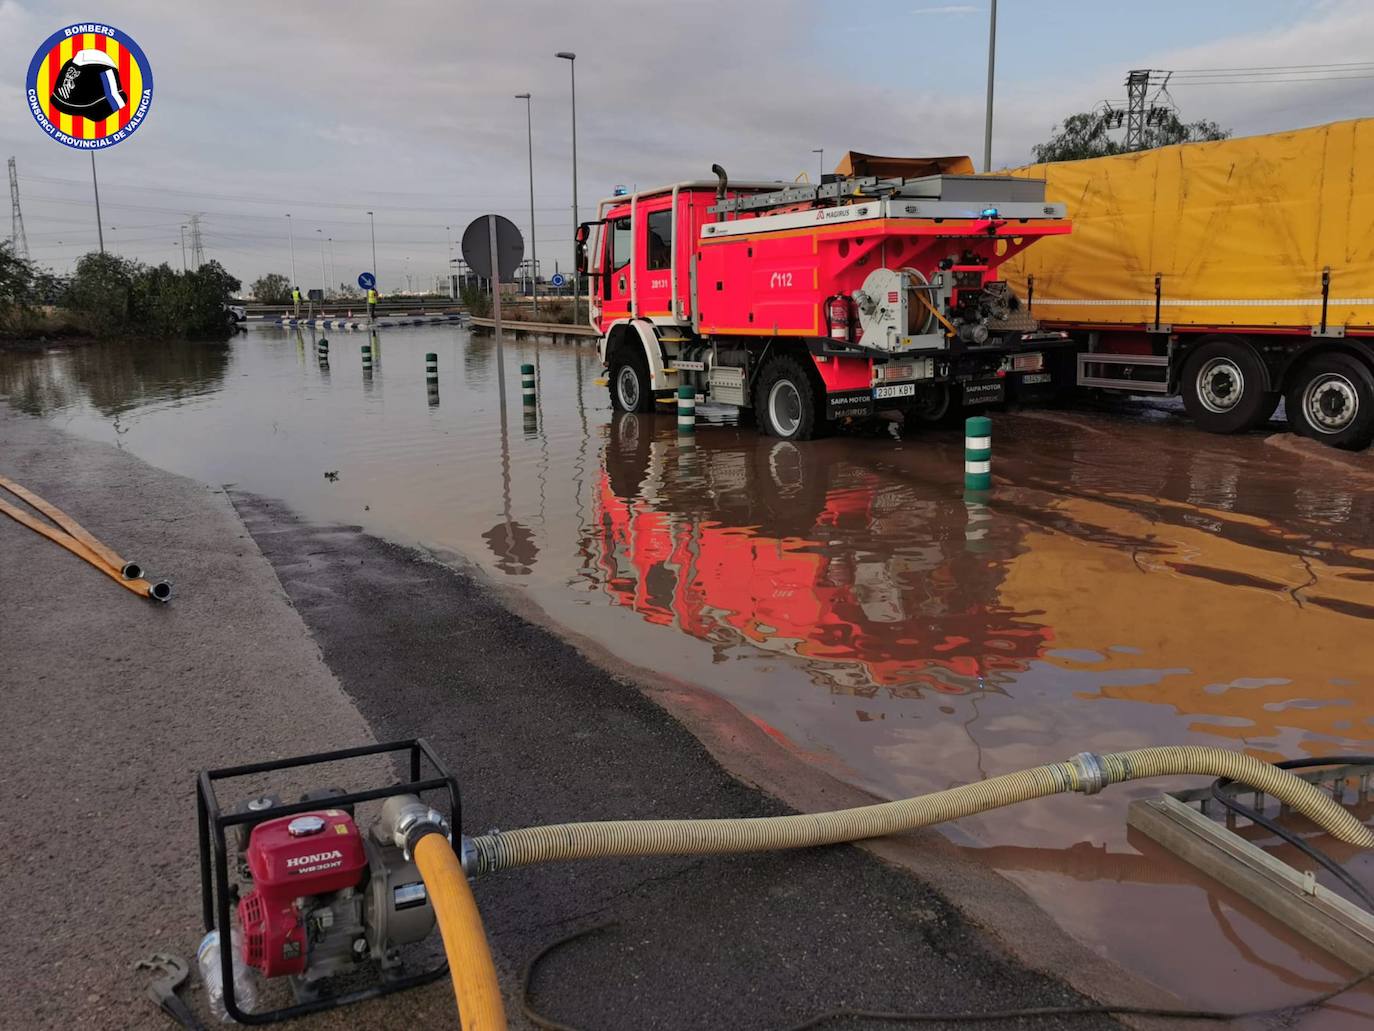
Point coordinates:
pixel 1084 772
pixel 465 942
pixel 107 555
pixel 159 591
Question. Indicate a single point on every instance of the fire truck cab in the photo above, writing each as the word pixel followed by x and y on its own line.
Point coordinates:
pixel 818 303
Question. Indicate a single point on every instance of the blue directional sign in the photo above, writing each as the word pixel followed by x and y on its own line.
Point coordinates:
pixel 557 279
pixel 366 281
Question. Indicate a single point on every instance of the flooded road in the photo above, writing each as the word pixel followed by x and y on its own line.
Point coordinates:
pixel 1129 582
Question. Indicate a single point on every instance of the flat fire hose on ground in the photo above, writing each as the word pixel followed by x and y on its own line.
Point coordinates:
pixel 70 534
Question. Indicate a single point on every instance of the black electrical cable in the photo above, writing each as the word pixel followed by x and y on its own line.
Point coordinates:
pixel 1311 851
pixel 892 1017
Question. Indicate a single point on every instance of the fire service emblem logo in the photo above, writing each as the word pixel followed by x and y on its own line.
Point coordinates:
pixel 89 86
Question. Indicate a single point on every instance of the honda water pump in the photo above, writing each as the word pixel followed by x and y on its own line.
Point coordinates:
pixel 314 895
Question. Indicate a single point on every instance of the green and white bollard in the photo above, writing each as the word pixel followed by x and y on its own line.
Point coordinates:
pixel 527 385
pixel 978 453
pixel 322 349
pixel 686 409
pixel 367 357
pixel 431 367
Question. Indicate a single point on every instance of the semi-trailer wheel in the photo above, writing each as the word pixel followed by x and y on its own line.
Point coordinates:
pixel 785 400
pixel 629 382
pixel 937 404
pixel 1223 387
pixel 1331 399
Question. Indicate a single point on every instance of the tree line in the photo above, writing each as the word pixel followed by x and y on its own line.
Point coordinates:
pixel 110 296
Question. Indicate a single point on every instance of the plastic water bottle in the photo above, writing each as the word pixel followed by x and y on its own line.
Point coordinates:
pixel 212 975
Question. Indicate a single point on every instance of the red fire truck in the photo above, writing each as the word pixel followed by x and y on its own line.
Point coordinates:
pixel 815 303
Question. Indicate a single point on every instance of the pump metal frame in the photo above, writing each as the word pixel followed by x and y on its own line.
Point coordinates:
pixel 214 856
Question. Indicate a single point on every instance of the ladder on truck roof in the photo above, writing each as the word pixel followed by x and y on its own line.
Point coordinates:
pixel 980 189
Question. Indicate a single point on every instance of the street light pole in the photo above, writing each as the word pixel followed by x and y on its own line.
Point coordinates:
pixel 821 152
pixel 534 246
pixel 448 269
pixel 323 280
pixel 571 58
pixel 100 231
pixel 992 55
pixel 290 235
pixel 333 275
pixel 372 223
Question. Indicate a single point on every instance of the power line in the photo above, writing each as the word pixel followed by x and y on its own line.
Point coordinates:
pixel 439 211
pixel 1273 67
pixel 441 203
pixel 1262 82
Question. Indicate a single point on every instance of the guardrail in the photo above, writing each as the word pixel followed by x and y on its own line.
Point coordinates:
pixel 520 327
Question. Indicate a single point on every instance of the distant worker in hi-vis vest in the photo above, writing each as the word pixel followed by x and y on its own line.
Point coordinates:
pixel 296 298
pixel 371 304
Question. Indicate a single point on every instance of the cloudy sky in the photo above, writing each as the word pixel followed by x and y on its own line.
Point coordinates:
pixel 404 107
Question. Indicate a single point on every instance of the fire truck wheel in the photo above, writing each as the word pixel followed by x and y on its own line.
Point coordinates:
pixel 1331 399
pixel 630 390
pixel 1223 387
pixel 785 401
pixel 628 453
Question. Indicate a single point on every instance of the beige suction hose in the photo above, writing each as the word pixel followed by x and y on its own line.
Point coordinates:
pixel 1088 773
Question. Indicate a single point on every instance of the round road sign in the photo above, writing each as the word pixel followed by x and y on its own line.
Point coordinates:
pixel 366 280
pixel 557 279
pixel 510 247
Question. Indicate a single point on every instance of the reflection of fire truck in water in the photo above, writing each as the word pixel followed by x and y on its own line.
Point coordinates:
pixel 738 541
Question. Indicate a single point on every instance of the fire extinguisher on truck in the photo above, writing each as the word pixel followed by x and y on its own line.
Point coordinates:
pixel 813 304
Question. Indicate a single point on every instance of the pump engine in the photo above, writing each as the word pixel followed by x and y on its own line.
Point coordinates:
pixel 325 897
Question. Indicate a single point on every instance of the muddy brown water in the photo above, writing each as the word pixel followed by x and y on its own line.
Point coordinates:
pixel 1128 582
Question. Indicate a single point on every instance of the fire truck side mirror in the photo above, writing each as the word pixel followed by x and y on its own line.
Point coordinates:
pixel 583 231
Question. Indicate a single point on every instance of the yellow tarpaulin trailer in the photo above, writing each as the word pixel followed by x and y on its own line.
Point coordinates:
pixel 1232 274
pixel 1238 232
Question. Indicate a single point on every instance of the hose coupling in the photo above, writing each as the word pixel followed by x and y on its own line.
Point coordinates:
pixel 405 819
pixel 1092 776
pixel 469 857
